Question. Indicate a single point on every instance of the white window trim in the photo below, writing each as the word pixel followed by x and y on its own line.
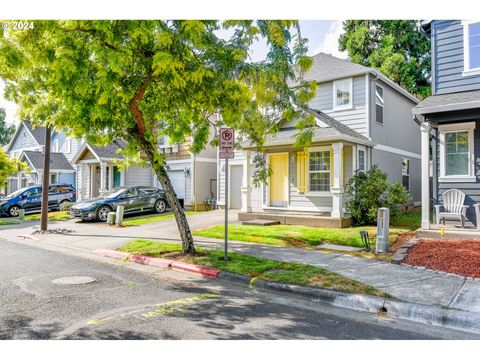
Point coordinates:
pixel 68 146
pixel 466 50
pixel 350 104
pixel 383 105
pixel 407 174
pixel 56 146
pixel 364 149
pixel 318 193
pixel 467 126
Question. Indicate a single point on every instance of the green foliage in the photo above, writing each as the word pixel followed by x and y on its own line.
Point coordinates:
pixel 394 47
pixel 292 273
pixel 66 206
pixel 370 190
pixel 6 131
pixel 9 166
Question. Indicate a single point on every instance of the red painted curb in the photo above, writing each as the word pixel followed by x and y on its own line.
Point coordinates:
pixel 147 260
pixel 29 237
pixel 197 269
pixel 162 263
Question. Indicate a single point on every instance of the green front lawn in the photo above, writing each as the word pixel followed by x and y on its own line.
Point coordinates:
pixel 298 236
pixel 3 222
pixel 52 216
pixel 248 265
pixel 147 219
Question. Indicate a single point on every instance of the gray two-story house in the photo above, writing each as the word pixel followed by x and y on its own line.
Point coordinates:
pixel 450 118
pixel 362 118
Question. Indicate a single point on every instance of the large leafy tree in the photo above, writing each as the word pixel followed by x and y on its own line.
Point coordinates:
pixel 139 80
pixel 394 47
pixel 6 131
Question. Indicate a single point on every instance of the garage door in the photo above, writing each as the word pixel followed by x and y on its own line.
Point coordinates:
pixel 236 173
pixel 177 178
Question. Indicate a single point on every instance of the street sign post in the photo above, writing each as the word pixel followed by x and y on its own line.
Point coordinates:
pixel 226 151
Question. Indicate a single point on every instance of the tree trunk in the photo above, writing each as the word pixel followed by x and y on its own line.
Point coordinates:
pixel 161 172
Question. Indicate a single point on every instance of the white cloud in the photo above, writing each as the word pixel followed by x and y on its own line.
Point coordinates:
pixel 329 45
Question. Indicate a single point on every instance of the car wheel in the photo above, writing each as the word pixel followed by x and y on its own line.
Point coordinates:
pixel 102 213
pixel 14 210
pixel 160 206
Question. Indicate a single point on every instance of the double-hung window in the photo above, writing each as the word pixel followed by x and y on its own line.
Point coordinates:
pixel 457 152
pixel 379 104
pixel 319 170
pixel 471 44
pixel 361 158
pixel 68 146
pixel 406 173
pixel 342 94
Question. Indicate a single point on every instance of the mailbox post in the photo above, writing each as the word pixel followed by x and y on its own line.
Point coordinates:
pixel 383 225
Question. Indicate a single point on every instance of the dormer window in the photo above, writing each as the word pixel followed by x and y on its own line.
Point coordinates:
pixel 342 94
pixel 471 41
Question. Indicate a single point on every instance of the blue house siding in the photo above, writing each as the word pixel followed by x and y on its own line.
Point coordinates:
pixel 448 59
pixel 62 146
pixel 23 141
pixel 67 178
pixel 471 189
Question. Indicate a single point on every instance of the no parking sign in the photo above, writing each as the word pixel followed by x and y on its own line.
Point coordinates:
pixel 227 143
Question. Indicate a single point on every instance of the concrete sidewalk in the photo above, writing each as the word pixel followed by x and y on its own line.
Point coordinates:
pixel 405 283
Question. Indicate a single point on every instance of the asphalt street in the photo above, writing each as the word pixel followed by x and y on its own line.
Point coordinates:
pixel 124 303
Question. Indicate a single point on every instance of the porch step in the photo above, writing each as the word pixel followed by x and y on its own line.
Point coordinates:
pixel 470 234
pixel 260 222
pixel 297 219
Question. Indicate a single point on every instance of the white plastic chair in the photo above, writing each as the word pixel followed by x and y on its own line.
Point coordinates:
pixel 453 207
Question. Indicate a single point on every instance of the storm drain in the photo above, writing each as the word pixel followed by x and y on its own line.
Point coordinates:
pixel 74 280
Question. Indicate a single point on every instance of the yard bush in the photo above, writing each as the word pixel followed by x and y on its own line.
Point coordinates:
pixel 369 190
pixel 66 206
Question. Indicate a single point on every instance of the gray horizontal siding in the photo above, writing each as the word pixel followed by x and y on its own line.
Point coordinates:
pixel 448 59
pixel 24 140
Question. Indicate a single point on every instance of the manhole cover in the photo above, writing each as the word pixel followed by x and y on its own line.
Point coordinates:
pixel 74 280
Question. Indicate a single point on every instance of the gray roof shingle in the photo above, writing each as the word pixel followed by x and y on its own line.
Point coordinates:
pixel 109 151
pixel 333 129
pixel 448 102
pixel 58 161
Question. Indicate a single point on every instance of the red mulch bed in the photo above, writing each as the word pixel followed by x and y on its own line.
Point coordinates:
pixel 460 257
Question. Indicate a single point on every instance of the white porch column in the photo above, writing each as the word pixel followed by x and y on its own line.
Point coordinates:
pixel 337 187
pixel 103 177
pixel 122 178
pixel 39 178
pixel 19 179
pixel 246 184
pixel 110 177
pixel 83 181
pixel 425 141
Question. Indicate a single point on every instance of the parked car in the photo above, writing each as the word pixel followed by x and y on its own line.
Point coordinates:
pixel 134 199
pixel 30 199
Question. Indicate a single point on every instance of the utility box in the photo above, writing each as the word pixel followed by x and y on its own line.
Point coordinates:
pixel 383 226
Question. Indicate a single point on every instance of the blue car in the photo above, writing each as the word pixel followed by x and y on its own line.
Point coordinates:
pixel 30 199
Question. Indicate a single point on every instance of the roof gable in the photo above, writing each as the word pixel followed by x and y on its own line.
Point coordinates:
pixel 58 161
pixel 23 138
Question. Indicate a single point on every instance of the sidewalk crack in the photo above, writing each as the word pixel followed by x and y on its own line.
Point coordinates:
pixel 457 293
pixel 409 281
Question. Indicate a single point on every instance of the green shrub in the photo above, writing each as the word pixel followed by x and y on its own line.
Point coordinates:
pixel 66 206
pixel 367 191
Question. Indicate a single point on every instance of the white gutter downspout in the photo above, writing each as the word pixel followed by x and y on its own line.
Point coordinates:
pixel 367 100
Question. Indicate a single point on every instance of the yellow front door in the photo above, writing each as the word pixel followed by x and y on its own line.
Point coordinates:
pixel 278 179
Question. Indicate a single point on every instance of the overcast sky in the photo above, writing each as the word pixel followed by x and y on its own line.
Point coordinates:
pixel 322 35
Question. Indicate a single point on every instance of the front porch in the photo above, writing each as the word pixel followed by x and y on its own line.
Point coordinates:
pixel 324 220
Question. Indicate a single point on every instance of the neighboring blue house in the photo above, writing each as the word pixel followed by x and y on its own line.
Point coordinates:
pixel 450 118
pixel 28 143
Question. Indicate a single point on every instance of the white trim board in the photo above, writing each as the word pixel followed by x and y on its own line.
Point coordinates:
pixel 397 151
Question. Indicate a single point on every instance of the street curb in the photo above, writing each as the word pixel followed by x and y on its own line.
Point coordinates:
pixel 204 271
pixel 29 237
pixel 427 314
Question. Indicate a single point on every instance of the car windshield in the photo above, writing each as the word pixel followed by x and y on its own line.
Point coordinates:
pixel 114 193
pixel 15 193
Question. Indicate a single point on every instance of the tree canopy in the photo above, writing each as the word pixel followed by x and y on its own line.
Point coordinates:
pixel 6 131
pixel 394 47
pixel 9 166
pixel 142 80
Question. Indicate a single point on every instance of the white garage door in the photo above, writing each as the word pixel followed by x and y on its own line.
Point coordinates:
pixel 177 178
pixel 236 173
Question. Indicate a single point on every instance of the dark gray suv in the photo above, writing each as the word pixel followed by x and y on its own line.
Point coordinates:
pixel 134 199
